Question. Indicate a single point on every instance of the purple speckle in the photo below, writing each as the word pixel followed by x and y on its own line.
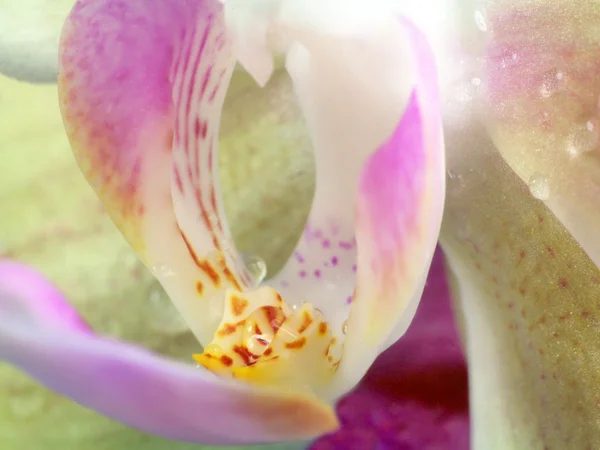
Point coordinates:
pixel 299 257
pixel 334 261
pixel 326 243
pixel 318 234
pixel 345 245
pixel 302 274
pixel 318 273
pixel 349 300
pixel 284 283
pixel 353 267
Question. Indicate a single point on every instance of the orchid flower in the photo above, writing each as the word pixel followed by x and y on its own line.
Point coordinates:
pixel 520 110
pixel 141 87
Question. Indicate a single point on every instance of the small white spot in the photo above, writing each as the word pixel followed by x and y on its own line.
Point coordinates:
pixel 480 20
pixel 539 186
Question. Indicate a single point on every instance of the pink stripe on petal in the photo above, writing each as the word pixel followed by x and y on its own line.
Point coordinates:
pixel 136 85
pixel 398 215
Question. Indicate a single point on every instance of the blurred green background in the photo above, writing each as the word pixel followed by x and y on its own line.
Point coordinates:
pixel 52 220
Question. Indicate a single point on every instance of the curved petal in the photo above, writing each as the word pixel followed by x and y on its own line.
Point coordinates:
pixel 142 87
pixel 529 300
pixel 541 61
pixel 29 35
pixel 28 296
pixel 135 387
pixel 380 181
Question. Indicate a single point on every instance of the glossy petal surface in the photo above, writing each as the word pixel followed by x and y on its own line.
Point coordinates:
pixel 140 389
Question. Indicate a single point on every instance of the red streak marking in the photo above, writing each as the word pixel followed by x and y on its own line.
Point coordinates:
pixel 178 181
pixel 205 81
pixel 190 249
pixel 194 68
pixel 210 272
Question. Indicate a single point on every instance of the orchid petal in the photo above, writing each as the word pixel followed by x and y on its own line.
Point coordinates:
pixel 528 295
pixel 542 105
pixel 386 161
pixel 142 87
pixel 30 297
pixel 29 35
pixel 136 387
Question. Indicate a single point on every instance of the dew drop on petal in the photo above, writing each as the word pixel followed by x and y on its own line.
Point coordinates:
pixel 345 326
pixel 162 271
pixel 480 20
pixel 539 187
pixel 256 266
pixel 583 138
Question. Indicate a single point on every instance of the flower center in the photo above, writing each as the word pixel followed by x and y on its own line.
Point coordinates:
pixel 262 340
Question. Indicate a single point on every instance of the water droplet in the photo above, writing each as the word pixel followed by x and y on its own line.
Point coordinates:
pixel 260 328
pixel 345 326
pixel 539 187
pixel 162 270
pixel 476 82
pixel 26 405
pixel 480 20
pixel 583 138
pixel 163 316
pixel 214 349
pixel 256 267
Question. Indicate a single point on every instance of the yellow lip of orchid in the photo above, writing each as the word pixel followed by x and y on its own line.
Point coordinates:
pixel 141 89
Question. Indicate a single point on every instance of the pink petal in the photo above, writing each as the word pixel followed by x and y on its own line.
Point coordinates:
pixel 136 387
pixel 141 87
pixel 399 209
pixel 33 298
